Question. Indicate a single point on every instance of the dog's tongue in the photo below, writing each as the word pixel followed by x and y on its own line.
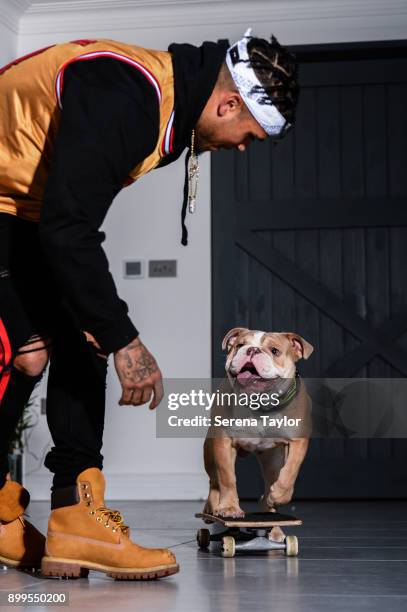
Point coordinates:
pixel 246 376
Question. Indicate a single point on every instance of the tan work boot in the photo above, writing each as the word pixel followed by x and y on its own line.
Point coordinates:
pixel 21 544
pixel 84 535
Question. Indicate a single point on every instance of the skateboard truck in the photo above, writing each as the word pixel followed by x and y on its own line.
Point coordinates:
pixel 249 533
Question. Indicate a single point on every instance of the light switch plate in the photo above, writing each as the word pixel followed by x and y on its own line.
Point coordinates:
pixel 133 268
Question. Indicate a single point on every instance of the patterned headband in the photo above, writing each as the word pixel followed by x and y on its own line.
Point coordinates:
pixel 252 91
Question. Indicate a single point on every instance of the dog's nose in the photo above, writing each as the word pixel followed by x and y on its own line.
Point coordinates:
pixel 252 350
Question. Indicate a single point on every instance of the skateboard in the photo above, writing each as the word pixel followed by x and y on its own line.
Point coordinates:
pixel 248 533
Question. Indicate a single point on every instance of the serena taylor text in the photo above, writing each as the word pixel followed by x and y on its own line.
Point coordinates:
pixel 219 421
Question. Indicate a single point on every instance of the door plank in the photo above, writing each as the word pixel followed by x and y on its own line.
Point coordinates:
pixel 318 295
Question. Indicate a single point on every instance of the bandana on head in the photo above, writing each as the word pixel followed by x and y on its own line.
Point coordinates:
pixel 252 91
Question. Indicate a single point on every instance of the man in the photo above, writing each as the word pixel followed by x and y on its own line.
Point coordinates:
pixel 78 122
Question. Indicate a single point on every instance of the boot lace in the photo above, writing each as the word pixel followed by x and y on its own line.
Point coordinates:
pixel 114 516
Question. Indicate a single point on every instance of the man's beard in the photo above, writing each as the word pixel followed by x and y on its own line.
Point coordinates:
pixel 200 145
pixel 203 140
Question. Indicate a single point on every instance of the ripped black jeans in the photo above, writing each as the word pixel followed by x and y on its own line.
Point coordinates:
pixel 30 308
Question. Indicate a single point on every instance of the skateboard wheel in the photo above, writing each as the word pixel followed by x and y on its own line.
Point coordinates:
pixel 291 546
pixel 203 537
pixel 228 546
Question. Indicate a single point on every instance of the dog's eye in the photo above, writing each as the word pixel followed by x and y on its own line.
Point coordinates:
pixel 235 347
pixel 275 351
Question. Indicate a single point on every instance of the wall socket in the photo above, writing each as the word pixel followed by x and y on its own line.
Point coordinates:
pixel 161 268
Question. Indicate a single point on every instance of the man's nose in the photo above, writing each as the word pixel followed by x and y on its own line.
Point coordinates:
pixel 252 350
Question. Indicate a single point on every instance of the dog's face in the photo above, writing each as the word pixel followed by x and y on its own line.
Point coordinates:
pixel 256 356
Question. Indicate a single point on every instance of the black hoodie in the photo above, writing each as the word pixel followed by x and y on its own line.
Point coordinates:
pixel 109 124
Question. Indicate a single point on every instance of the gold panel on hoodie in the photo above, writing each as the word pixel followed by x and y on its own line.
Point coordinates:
pixel 30 115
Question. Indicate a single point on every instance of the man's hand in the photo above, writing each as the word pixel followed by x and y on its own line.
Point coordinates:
pixel 139 375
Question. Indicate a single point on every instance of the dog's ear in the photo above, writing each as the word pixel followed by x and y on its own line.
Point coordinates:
pixel 230 338
pixel 302 348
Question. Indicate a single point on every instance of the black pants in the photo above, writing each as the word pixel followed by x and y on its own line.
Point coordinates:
pixel 31 305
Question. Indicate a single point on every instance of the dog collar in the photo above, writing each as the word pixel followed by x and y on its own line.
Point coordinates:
pixel 287 397
pixel 292 391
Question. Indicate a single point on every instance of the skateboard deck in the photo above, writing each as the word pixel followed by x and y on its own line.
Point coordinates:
pixel 252 532
pixel 253 519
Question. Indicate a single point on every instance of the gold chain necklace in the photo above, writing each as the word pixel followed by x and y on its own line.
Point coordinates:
pixel 193 175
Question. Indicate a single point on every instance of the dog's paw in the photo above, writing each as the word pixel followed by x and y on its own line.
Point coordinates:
pixel 208 508
pixel 264 505
pixel 276 534
pixel 229 511
pixel 279 494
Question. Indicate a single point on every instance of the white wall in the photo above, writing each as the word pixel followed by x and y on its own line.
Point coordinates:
pixel 8 36
pixel 173 315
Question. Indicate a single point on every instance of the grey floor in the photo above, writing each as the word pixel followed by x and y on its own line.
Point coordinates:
pixel 353 556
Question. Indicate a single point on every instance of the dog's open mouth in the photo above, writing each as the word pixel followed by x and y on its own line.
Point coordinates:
pixel 248 373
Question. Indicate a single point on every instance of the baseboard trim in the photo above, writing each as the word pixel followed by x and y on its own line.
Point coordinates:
pixel 133 486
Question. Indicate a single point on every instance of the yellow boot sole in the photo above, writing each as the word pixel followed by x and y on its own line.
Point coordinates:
pixel 18 564
pixel 76 568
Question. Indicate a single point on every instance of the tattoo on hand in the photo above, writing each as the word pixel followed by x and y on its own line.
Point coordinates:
pixel 138 367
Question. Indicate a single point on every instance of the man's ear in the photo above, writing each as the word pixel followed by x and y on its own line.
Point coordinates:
pixel 230 338
pixel 230 102
pixel 302 348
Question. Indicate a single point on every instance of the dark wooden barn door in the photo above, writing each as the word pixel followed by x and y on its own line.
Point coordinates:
pixel 310 235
